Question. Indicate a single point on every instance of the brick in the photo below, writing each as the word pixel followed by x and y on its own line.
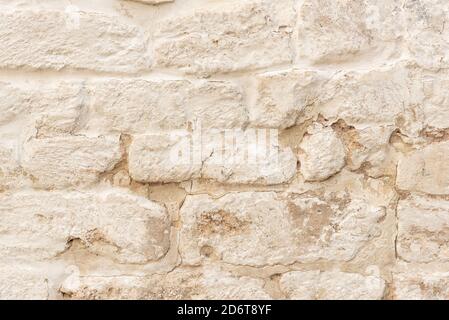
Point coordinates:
pixel 50 108
pixel 423 225
pixel 141 106
pixel 209 282
pixel 426 36
pixel 232 37
pixel 263 228
pixel 340 31
pixel 284 97
pixel 154 158
pixel 331 285
pixel 70 160
pixel 40 225
pixel 413 282
pixel 21 282
pixel 425 170
pixel 322 154
pixel 56 40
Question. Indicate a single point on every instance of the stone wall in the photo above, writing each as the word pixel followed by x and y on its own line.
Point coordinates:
pixel 236 149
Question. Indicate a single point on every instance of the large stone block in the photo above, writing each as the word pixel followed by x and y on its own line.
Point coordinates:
pixel 283 97
pixel 423 228
pixel 112 223
pixel 341 31
pixel 322 154
pixel 141 106
pixel 208 282
pixel 265 228
pixel 234 157
pixel 427 37
pixel 70 40
pixel 425 170
pixel 235 36
pixel 331 285
pixel 49 109
pixel 417 283
pixel 21 282
pixel 70 160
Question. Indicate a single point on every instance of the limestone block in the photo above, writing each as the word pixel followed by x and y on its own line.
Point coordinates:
pixel 425 170
pixel 208 282
pixel 180 156
pixel 415 283
pixel 426 36
pixel 142 106
pixel 235 36
pixel 283 97
pixel 41 39
pixel 113 223
pixel 162 158
pixel 340 31
pixel 331 285
pixel 322 154
pixel 263 228
pixel 22 283
pixel 423 228
pixel 70 160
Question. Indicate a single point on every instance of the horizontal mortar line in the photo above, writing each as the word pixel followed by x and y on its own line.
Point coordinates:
pixel 173 74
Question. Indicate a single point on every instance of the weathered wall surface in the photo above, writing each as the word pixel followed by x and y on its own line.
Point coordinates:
pixel 98 97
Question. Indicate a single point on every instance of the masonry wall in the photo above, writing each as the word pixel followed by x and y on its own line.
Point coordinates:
pixel 350 199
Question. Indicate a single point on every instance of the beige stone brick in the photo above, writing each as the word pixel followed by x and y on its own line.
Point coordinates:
pixel 69 160
pixel 265 228
pixel 331 285
pixel 230 37
pixel 40 225
pixel 56 40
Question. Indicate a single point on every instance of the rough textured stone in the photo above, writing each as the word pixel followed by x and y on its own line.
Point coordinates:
pixel 139 106
pixel 22 283
pixel 75 40
pixel 338 31
pixel 372 97
pixel 224 149
pixel 322 154
pixel 427 37
pixel 233 228
pixel 113 223
pixel 206 283
pixel 154 158
pixel 51 109
pixel 11 173
pixel 283 97
pixel 423 228
pixel 275 168
pixel 435 108
pixel 14 102
pixel 231 37
pixel 181 156
pixel 249 157
pixel 425 170
pixel 417 284
pixel 331 285
pixel 368 148
pixel 70 160
pixel 367 107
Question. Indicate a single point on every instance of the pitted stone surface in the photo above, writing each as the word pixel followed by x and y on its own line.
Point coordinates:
pixel 225 149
